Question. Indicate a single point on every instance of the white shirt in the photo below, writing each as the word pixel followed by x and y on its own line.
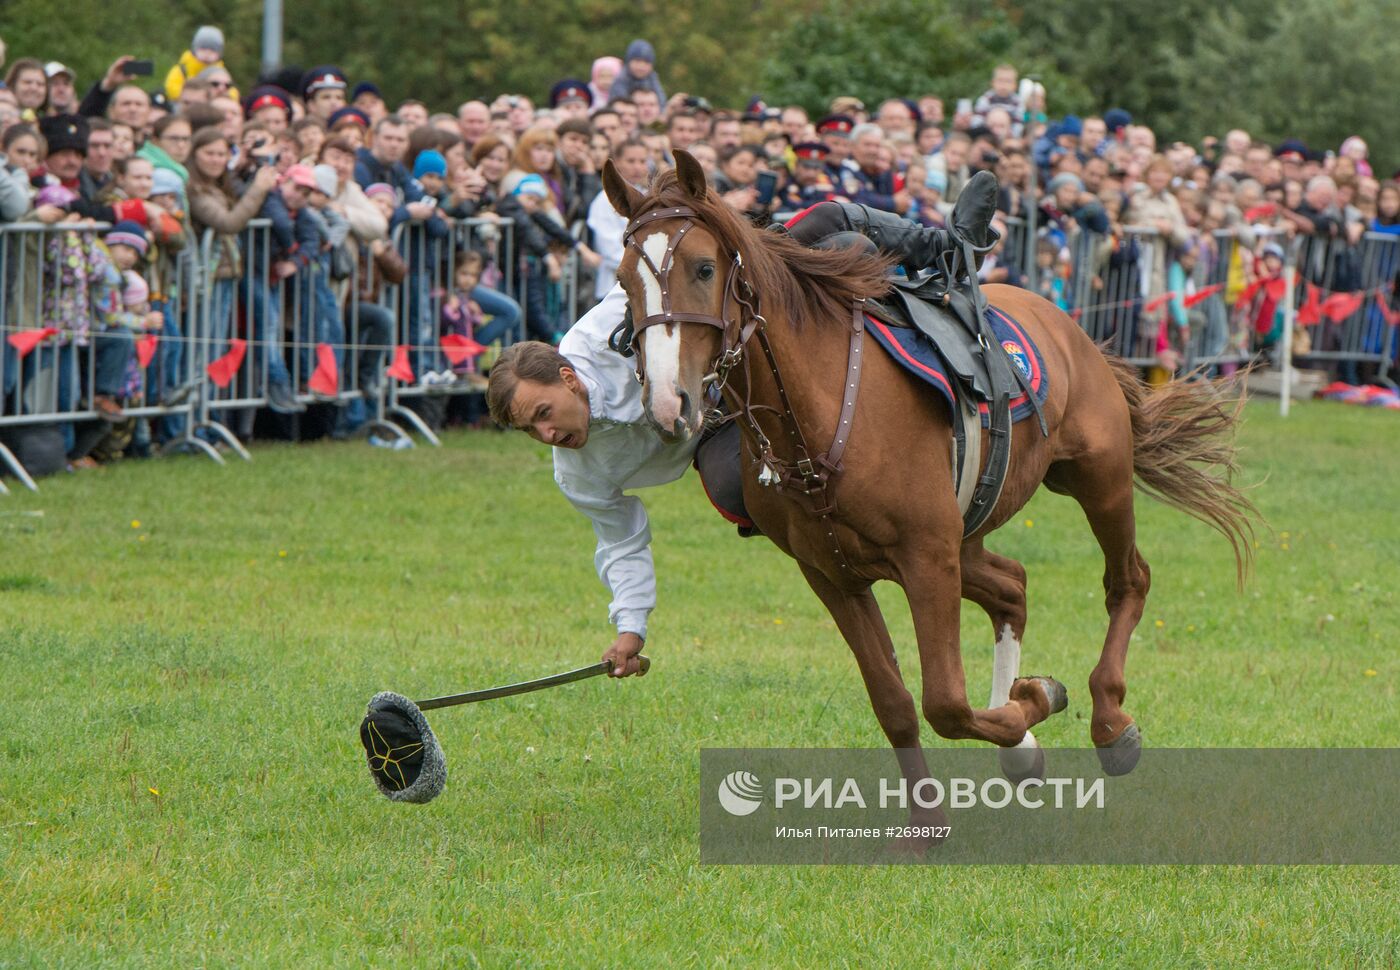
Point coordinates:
pixel 623 452
pixel 608 228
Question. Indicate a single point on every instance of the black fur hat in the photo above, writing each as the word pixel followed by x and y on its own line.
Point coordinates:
pixel 405 760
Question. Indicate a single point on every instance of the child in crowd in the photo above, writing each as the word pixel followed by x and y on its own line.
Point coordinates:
pixel 1173 345
pixel 462 315
pixel 430 170
pixel 1261 312
pixel 1052 267
pixel 1002 94
pixel 164 379
pixel 533 196
pixel 320 230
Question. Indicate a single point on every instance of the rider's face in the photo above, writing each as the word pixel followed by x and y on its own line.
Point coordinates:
pixel 555 414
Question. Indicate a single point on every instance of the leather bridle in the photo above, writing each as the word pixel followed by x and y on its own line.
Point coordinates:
pixel 808 477
pixel 733 337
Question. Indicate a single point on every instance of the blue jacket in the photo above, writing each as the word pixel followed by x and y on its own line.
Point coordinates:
pixel 862 188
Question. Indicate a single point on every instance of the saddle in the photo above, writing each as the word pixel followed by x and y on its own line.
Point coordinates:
pixel 954 319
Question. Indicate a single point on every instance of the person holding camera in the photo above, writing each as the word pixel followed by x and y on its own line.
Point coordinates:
pixel 215 203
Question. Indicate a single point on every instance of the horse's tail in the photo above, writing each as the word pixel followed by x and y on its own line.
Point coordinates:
pixel 1184 455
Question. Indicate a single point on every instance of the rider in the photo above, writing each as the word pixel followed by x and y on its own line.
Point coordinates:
pixel 585 401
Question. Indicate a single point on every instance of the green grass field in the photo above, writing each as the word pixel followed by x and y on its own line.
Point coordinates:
pixel 189 649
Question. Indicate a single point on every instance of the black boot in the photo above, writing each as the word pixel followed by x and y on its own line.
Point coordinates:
pixel 972 213
pixel 912 246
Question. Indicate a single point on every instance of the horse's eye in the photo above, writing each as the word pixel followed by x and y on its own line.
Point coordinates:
pixel 706 272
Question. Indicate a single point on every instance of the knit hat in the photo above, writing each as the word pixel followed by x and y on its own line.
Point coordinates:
pixel 604 63
pixel 1063 179
pixel 1071 125
pixel 209 39
pixel 327 181
pixel 380 188
pixel 1272 249
pixel 127 233
pixel 430 162
pixel 135 291
pixel 936 179
pixel 1117 119
pixel 640 50
pixel 532 185
pixel 165 182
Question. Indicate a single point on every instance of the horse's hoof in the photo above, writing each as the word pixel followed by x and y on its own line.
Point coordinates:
pixel 1023 761
pixel 1054 692
pixel 1120 756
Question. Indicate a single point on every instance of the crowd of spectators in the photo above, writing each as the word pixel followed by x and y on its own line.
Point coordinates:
pixel 337 165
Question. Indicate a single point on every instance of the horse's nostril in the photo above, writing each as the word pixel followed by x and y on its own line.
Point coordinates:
pixel 685 405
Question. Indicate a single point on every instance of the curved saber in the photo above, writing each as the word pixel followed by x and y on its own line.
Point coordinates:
pixel 553 680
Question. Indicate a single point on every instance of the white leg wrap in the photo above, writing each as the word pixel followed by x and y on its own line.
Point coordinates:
pixel 1006 665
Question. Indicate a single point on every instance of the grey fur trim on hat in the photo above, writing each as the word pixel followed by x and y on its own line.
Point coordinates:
pixel 432 777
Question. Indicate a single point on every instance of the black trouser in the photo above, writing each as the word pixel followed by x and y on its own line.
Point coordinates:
pixel 717 459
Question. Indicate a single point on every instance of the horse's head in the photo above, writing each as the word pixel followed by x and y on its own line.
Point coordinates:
pixel 681 284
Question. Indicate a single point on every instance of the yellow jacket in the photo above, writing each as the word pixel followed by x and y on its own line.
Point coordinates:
pixel 185 68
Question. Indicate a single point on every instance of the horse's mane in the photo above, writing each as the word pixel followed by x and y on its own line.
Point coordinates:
pixel 807 284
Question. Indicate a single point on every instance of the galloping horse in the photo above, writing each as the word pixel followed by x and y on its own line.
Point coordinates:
pixel 778 327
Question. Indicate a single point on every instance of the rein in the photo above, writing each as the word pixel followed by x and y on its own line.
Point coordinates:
pixel 809 476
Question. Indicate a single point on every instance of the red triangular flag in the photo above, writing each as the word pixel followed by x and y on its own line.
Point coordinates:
pixel 1310 312
pixel 146 349
pixel 1157 302
pixel 1275 288
pixel 400 369
pixel 1339 306
pixel 1203 294
pixel 221 371
pixel 1260 212
pixel 326 378
pixel 26 340
pixel 458 348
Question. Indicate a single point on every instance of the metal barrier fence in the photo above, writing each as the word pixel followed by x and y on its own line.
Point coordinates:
pixel 234 334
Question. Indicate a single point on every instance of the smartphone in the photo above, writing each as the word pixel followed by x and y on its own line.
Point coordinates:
pixel 140 68
pixel 766 184
pixel 964 106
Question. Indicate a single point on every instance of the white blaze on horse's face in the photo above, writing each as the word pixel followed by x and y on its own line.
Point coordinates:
pixel 663 350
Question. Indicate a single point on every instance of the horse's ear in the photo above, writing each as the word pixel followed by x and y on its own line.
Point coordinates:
pixel 623 197
pixel 690 175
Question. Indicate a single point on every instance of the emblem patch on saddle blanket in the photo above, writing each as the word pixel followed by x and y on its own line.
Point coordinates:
pixel 917 354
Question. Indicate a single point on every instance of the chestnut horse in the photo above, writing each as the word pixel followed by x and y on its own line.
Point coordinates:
pixel 717 301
